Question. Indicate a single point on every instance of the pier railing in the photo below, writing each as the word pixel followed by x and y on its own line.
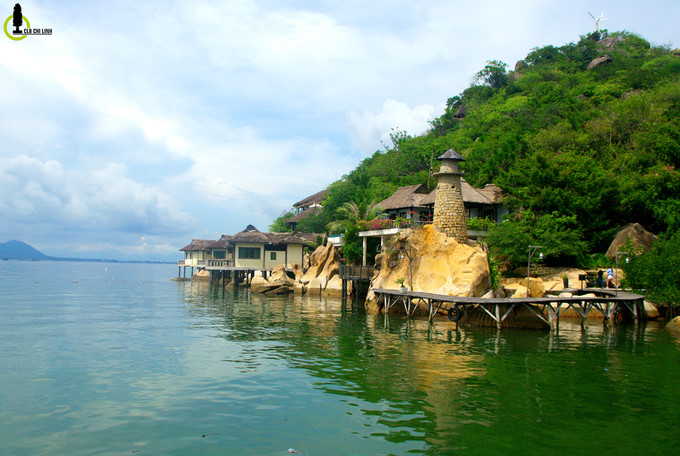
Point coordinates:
pixel 350 272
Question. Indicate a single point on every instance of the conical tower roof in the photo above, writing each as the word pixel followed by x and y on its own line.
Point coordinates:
pixel 451 155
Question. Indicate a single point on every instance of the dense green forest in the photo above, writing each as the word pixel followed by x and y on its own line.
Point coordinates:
pixel 583 139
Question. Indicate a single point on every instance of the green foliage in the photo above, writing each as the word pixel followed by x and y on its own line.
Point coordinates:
pixel 313 224
pixel 508 242
pixel 280 224
pixel 584 151
pixel 493 74
pixel 559 235
pixel 480 224
pixel 657 273
pixel 352 248
pixel 494 273
pixel 350 213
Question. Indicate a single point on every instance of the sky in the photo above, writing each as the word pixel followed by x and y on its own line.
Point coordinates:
pixel 139 125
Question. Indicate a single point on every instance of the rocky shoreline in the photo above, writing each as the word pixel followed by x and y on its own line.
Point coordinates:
pixel 424 260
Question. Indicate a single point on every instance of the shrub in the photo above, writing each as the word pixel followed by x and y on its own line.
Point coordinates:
pixel 656 274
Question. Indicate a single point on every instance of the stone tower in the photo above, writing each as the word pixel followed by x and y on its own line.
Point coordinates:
pixel 449 211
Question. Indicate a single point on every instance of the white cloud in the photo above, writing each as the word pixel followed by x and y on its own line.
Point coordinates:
pixel 368 130
pixel 225 113
pixel 105 200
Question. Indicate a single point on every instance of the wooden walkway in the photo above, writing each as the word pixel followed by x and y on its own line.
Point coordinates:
pixel 547 309
pixel 355 274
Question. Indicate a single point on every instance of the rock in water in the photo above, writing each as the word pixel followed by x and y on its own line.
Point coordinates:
pixel 323 270
pixel 673 326
pixel 439 263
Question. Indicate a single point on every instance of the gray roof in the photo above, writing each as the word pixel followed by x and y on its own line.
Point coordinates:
pixel 451 155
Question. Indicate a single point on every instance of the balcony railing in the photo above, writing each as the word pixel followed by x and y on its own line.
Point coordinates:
pixel 386 224
pixel 220 263
pixel 191 262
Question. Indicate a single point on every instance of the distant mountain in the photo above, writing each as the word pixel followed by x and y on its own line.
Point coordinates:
pixel 17 250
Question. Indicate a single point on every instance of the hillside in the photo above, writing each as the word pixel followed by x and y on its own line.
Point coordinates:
pixel 17 250
pixel 583 139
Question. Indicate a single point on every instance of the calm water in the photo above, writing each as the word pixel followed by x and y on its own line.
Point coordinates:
pixel 124 361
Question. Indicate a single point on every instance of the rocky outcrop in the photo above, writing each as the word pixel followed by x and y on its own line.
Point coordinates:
pixel 322 276
pixel 277 283
pixel 201 274
pixel 599 61
pixel 673 326
pixel 438 263
pixel 640 238
pixel 536 288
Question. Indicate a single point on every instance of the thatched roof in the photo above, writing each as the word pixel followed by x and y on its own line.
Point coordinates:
pixel 493 192
pixel 311 200
pixel 405 197
pixel 221 243
pixel 413 196
pixel 197 245
pixel 314 210
pixel 250 234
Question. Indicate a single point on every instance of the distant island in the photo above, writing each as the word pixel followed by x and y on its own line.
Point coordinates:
pixel 18 250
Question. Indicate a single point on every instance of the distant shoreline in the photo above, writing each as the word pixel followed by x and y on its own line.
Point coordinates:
pixel 88 260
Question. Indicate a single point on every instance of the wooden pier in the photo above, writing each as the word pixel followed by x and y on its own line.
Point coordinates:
pixel 547 309
pixel 355 274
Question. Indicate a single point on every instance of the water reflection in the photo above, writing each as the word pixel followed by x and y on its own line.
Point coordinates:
pixel 457 389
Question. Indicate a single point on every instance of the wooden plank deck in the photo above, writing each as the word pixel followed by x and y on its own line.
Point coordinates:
pixel 547 309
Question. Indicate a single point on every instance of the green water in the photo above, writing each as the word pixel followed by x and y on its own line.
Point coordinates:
pixel 124 361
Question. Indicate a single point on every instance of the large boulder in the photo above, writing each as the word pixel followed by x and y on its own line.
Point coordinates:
pixel 439 263
pixel 318 262
pixel 641 239
pixel 298 272
pixel 259 284
pixel 536 287
pixel 201 274
pixel 333 287
pixel 324 266
pixel 277 283
pixel 673 326
pixel 599 61
pixel 651 311
pixel 279 276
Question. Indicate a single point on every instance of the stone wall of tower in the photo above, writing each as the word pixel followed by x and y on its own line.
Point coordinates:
pixel 449 211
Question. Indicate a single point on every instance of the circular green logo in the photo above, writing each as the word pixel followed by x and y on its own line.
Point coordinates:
pixel 9 35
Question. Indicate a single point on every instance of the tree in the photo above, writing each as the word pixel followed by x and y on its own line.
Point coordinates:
pixel 493 74
pixel 350 213
pixel 280 223
pixel 657 272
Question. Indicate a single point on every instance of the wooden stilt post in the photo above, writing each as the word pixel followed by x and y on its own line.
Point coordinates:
pixel 498 316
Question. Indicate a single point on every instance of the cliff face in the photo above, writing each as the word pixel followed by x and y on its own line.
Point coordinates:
pixel 439 264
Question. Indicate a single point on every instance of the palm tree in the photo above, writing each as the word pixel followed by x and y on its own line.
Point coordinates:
pixel 351 212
